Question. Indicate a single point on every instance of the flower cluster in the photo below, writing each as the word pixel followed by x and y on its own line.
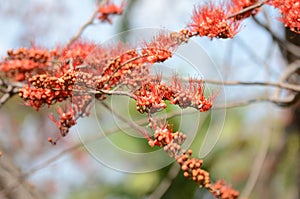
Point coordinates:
pixel 77 52
pixel 289 10
pixel 23 62
pixel 163 135
pixel 212 21
pixel 171 143
pixel 151 96
pixel 106 10
pixel 221 190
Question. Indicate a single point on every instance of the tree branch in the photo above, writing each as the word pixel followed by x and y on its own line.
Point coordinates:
pixel 83 27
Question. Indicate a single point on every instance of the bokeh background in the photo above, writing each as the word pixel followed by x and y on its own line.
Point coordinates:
pixel 257 150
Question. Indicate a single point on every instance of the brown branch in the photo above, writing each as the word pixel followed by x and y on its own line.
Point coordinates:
pixel 280 102
pixel 9 92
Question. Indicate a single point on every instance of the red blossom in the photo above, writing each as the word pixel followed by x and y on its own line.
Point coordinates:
pixel 290 11
pixel 212 21
pixel 161 47
pixel 108 9
pixel 238 5
pixel 150 97
pixel 77 52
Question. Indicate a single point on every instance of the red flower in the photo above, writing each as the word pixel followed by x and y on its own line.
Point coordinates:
pixel 77 51
pixel 212 21
pixel 108 9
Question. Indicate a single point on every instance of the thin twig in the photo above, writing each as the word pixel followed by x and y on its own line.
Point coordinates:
pixel 286 45
pixel 116 92
pixel 283 85
pixel 280 102
pixel 133 125
pixel 165 183
pixel 83 27
pixel 291 69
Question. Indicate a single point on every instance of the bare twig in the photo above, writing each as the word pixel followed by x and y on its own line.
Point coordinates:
pixel 286 45
pixel 283 85
pixel 83 27
pixel 291 69
pixel 280 102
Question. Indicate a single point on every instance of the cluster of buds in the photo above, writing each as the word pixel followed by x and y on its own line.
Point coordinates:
pixel 221 190
pixel 191 168
pixel 20 64
pixel 47 89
